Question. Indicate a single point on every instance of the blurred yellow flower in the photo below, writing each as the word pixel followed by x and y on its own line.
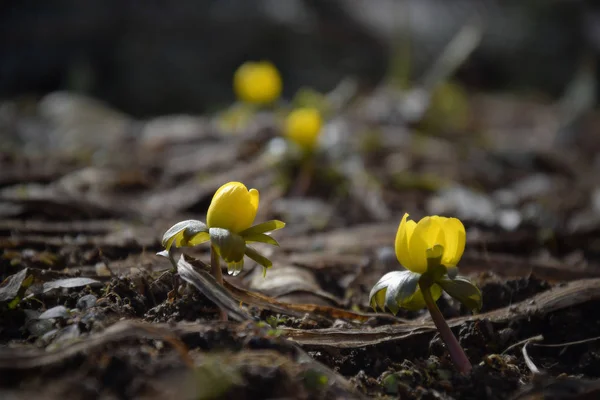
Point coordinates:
pixel 257 83
pixel 432 238
pixel 233 207
pixel 302 126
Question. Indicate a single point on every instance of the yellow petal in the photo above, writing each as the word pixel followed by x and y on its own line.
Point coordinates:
pixel 455 234
pixel 254 199
pixel 403 234
pixel 427 233
pixel 233 207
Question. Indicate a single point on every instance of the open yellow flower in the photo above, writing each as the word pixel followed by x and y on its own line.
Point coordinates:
pixel 432 236
pixel 229 228
pixel 429 250
pixel 257 83
pixel 302 126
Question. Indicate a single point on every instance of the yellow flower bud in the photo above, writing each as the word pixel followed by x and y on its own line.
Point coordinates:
pixel 233 207
pixel 257 83
pixel 302 126
pixel 432 237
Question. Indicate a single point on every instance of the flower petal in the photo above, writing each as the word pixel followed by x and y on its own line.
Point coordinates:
pixel 455 241
pixel 233 207
pixel 405 230
pixel 254 199
pixel 426 235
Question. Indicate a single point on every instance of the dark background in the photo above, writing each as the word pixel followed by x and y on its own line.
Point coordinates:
pixel 157 57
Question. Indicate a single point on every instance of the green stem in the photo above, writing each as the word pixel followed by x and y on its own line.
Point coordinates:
pixel 217 273
pixel 305 176
pixel 459 358
pixel 215 265
pixel 175 275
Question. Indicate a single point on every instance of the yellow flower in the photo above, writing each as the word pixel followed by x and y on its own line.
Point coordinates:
pixel 429 250
pixel 229 228
pixel 257 83
pixel 433 237
pixel 233 207
pixel 302 126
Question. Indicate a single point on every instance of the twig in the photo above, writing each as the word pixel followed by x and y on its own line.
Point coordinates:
pixel 568 343
pixel 537 338
pixel 532 367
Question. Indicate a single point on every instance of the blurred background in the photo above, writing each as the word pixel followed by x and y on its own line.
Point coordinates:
pixel 157 57
pixel 475 106
pixel 118 118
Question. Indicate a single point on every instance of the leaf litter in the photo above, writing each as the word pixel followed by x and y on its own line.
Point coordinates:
pixel 87 308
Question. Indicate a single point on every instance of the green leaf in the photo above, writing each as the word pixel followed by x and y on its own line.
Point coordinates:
pixel 259 258
pixel 234 268
pixel 264 227
pixel 14 303
pixel 184 233
pixel 195 240
pixel 400 289
pixel 231 246
pixel 15 285
pixel 262 238
pixel 463 290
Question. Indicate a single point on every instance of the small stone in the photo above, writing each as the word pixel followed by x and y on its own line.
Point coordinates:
pixel 102 269
pixel 39 327
pixel 87 301
pixel 509 219
pixel 56 312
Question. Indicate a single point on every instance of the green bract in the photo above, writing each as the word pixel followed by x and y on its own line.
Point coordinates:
pixel 231 246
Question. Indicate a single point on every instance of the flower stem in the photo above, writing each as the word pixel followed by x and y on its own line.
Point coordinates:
pixel 305 176
pixel 215 265
pixel 459 358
